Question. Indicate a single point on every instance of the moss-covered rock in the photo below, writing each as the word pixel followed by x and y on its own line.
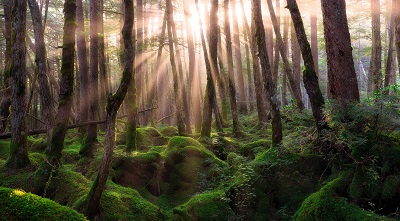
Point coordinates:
pixel 169 131
pixel 206 207
pixel 251 149
pixel 149 136
pixel 18 205
pixel 325 204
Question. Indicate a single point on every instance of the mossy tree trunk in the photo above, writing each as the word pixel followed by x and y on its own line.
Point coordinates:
pixel 231 81
pixel 48 169
pixel 5 101
pixel 266 72
pixel 89 142
pixel 342 78
pixel 113 104
pixel 41 64
pixel 375 65
pixel 82 64
pixel 294 86
pixel 18 148
pixel 176 79
pixel 310 77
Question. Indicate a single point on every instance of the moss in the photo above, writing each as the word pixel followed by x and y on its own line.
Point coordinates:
pixel 390 187
pixel 18 205
pixel 70 153
pixel 36 158
pixel 327 205
pixel 179 142
pixel 4 149
pixel 37 144
pixel 149 136
pixel 21 179
pixel 206 207
pixel 253 148
pixel 169 131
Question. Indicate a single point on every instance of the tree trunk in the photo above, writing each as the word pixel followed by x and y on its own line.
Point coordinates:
pixel 238 56
pixel 113 104
pixel 5 101
pixel 89 143
pixel 314 36
pixel 139 61
pixel 397 29
pixel 266 72
pixel 390 58
pixel 102 61
pixel 275 67
pixel 176 79
pixel 231 82
pixel 41 64
pixel 295 87
pixel 296 57
pixel 310 77
pixel 82 64
pixel 342 78
pixel 286 46
pixel 374 75
pixel 48 169
pixel 18 148
pixel 249 78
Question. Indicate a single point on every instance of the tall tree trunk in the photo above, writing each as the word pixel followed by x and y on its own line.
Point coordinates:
pixel 314 36
pixel 238 56
pixel 40 52
pixel 231 81
pixel 176 79
pixel 102 61
pixel 5 101
pixel 342 78
pixel 258 81
pixel 285 45
pixel 88 146
pixel 374 75
pixel 275 67
pixel 48 169
pixel 139 61
pixel 310 77
pixel 390 58
pixel 82 64
pixel 18 148
pixel 295 88
pixel 266 72
pixel 397 29
pixel 296 57
pixel 113 104
pixel 249 78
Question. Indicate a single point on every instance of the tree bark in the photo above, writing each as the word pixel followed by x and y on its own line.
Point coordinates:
pixel 18 148
pixel 89 143
pixel 238 56
pixel 41 64
pixel 48 169
pixel 284 76
pixel 231 82
pixel 374 75
pixel 295 88
pixel 310 77
pixel 113 104
pixel 397 29
pixel 342 78
pixel 266 72
pixel 390 59
pixel 314 36
pixel 275 67
pixel 102 61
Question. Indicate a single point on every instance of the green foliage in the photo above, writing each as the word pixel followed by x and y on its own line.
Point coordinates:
pixel 253 148
pixel 18 205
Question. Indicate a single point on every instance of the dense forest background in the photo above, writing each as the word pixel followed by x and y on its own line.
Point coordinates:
pixel 188 110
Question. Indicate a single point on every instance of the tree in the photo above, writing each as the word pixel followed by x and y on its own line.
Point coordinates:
pixel 48 169
pixel 88 144
pixel 231 82
pixel 310 77
pixel 18 148
pixel 113 104
pixel 41 65
pixel 266 72
pixel 390 59
pixel 374 75
pixel 342 78
pixel 396 12
pixel 314 35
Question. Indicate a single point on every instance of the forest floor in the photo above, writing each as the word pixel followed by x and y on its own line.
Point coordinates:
pixel 174 177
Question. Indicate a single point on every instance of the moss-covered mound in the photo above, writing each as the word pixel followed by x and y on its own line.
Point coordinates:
pixel 18 205
pixel 169 131
pixel 253 148
pixel 146 138
pixel 208 206
pixel 327 205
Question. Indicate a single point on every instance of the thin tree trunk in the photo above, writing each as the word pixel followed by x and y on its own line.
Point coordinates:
pixel 231 82
pixel 113 104
pixel 275 67
pixel 176 79
pixel 284 76
pixel 296 57
pixel 18 148
pixel 310 77
pixel 374 75
pixel 249 78
pixel 342 78
pixel 41 64
pixel 266 72
pixel 295 88
pixel 48 169
pixel 397 29
pixel 314 36
pixel 390 58
pixel 238 56
pixel 102 61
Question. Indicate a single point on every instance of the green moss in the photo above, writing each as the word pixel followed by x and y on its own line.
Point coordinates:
pixel 206 207
pixel 36 158
pixel 179 142
pixel 253 148
pixel 4 149
pixel 149 136
pixel 18 205
pixel 390 187
pixel 70 153
pixel 21 179
pixel 327 205
pixel 38 144
pixel 169 131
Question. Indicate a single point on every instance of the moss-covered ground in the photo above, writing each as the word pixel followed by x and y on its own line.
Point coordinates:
pixel 172 177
